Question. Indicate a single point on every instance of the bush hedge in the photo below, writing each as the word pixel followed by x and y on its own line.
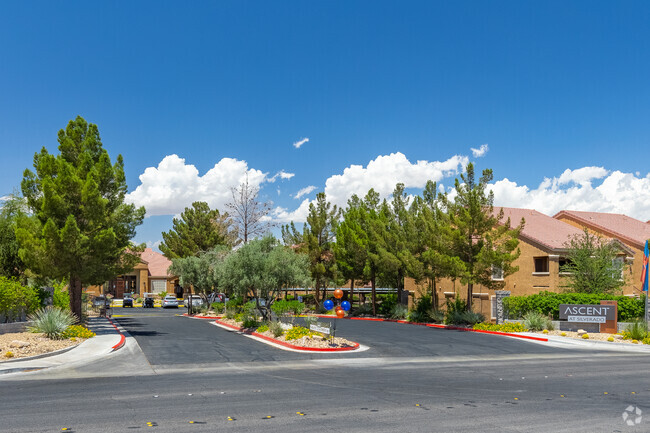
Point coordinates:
pixel 548 303
pixel 16 300
pixel 505 327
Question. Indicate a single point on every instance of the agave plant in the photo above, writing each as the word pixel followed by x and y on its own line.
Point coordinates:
pixel 51 321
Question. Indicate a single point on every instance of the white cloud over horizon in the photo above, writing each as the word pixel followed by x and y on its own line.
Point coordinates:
pixel 174 185
pixel 481 151
pixel 299 143
pixel 592 189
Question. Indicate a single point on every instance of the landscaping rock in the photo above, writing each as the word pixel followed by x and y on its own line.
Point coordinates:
pixel 581 332
pixel 618 337
pixel 18 344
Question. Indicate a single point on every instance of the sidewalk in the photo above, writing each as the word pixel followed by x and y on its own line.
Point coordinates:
pixel 107 340
pixel 574 343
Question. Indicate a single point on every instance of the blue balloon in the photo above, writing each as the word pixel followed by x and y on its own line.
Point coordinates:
pixel 328 304
pixel 345 305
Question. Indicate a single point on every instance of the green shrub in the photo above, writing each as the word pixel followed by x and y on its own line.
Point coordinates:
pixel 298 332
pixel 263 328
pixel 16 300
pixel 472 318
pixel 536 321
pixel 310 320
pixel 230 314
pixel 386 304
pixel 548 304
pixel 437 316
pixel 139 300
pixel 362 310
pixel 309 300
pixel 505 327
pixel 644 341
pixel 235 304
pixel 60 297
pixel 399 312
pixel 77 331
pixel 51 321
pixel 200 309
pixel 250 322
pixel 637 330
pixel 216 306
pixel 283 307
pixel 455 310
pixel 276 329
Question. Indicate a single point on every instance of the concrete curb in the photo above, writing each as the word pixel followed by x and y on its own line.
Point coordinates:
pixel 289 345
pixel 201 317
pixel 439 326
pixel 122 341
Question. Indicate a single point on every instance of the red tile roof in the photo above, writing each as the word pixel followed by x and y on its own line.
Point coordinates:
pixel 540 228
pixel 158 264
pixel 623 227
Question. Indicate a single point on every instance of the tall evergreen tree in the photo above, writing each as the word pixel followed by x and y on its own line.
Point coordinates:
pixel 199 229
pixel 81 227
pixel 350 248
pixel 481 239
pixel 317 241
pixel 11 265
pixel 433 241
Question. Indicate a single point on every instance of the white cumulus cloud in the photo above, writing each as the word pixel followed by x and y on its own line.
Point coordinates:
pixel 304 191
pixel 385 171
pixel 282 175
pixel 300 142
pixel 172 186
pixel 283 215
pixel 481 151
pixel 591 189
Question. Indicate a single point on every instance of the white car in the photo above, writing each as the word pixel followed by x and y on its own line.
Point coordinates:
pixel 170 302
pixel 197 301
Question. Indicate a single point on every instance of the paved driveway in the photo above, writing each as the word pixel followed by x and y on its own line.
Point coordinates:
pixel 168 338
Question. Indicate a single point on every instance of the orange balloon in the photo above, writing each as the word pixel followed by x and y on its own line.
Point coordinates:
pixel 339 308
pixel 338 293
pixel 340 313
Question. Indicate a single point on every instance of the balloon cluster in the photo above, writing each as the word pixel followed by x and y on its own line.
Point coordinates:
pixel 340 309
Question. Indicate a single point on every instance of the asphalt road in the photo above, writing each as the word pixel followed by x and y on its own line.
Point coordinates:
pixel 455 382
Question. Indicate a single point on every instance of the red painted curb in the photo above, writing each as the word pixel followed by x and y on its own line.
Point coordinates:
pixel 448 327
pixel 291 346
pixel 122 337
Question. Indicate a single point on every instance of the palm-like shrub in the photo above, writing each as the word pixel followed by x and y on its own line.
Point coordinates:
pixel 51 321
pixel 638 330
pixel 536 321
pixel 399 312
pixel 276 329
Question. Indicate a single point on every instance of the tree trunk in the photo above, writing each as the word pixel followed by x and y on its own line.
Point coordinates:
pixel 434 294
pixel 74 290
pixel 470 287
pixel 374 295
pixel 317 292
pixel 400 282
pixel 351 291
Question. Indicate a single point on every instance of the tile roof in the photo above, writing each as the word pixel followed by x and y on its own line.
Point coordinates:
pixel 619 226
pixel 158 264
pixel 540 228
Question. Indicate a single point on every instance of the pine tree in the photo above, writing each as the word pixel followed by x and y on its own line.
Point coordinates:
pixel 199 229
pixel 483 241
pixel 81 227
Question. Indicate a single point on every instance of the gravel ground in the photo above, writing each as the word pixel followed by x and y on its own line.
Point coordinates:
pixel 312 342
pixel 592 336
pixel 24 344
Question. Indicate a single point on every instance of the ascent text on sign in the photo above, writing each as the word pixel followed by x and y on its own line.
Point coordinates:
pixel 587 313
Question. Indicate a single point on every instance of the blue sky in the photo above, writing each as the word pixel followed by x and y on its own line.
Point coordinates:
pixel 558 91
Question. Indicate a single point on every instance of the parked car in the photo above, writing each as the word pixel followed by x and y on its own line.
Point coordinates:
pixel 170 302
pixel 127 301
pixel 147 303
pixel 101 301
pixel 217 297
pixel 197 301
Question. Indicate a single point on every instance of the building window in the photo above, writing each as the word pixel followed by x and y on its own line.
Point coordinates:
pixel 497 273
pixel 562 262
pixel 493 307
pixel 541 265
pixel 618 263
pixel 158 286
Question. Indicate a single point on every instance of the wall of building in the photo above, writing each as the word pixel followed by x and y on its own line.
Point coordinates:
pixel 634 267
